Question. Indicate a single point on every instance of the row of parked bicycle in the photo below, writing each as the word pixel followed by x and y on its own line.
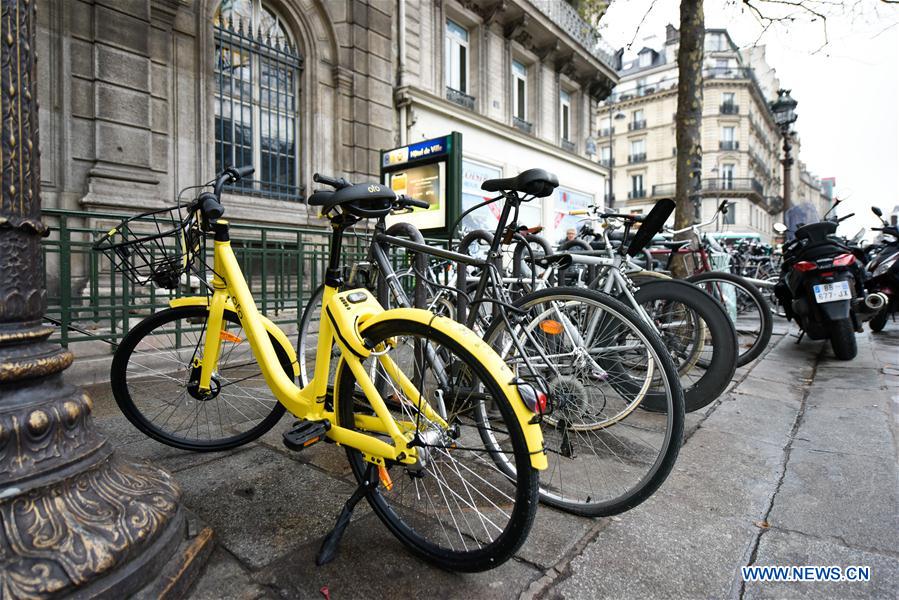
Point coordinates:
pixel 577 366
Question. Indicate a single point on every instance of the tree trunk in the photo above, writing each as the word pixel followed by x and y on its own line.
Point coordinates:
pixel 688 127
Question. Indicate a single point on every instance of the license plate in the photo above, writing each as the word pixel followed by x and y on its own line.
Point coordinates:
pixel 831 292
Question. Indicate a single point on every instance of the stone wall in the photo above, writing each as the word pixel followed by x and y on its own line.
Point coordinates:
pixel 127 91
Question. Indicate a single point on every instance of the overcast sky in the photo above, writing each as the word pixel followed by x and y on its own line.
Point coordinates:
pixel 848 91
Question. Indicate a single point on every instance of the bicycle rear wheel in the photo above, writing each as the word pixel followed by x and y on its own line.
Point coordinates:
pixel 698 335
pixel 601 362
pixel 746 307
pixel 454 507
pixel 151 377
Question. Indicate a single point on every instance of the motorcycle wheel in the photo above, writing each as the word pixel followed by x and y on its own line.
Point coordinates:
pixel 842 339
pixel 880 321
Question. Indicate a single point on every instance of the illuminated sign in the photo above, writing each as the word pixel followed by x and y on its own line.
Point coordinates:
pixel 428 149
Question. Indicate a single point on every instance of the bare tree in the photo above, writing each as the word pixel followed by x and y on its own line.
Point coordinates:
pixel 688 122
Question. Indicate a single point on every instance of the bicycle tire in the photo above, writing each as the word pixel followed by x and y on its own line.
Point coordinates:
pixel 585 500
pixel 388 503
pixel 153 327
pixel 748 350
pixel 721 363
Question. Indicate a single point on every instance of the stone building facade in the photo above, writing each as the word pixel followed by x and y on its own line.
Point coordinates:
pixel 141 98
pixel 740 140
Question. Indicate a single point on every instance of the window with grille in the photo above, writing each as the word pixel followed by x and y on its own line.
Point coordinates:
pixel 257 75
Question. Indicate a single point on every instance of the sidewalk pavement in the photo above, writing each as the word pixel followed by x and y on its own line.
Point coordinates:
pixel 795 465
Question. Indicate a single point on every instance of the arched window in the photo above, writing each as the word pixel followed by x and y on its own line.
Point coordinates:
pixel 257 75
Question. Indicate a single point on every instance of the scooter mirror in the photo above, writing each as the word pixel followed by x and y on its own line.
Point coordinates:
pixel 780 228
pixel 723 207
pixel 877 211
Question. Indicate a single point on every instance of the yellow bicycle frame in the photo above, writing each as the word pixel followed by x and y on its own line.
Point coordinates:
pixel 230 292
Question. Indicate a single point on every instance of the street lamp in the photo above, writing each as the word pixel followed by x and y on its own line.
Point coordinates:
pixel 78 518
pixel 616 116
pixel 784 109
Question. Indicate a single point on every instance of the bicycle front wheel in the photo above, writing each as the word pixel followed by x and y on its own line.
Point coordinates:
pixel 151 377
pixel 600 362
pixel 454 507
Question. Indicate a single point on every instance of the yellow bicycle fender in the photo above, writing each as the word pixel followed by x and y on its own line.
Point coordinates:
pixel 486 355
pixel 277 334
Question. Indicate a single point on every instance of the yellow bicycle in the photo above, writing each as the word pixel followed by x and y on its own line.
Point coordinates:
pixel 211 373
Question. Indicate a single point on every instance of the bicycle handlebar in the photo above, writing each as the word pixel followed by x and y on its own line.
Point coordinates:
pixel 335 182
pixel 407 202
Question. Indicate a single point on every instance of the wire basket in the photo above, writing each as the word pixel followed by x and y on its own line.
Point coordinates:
pixel 155 247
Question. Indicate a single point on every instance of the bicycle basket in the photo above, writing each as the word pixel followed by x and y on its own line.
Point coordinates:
pixel 153 247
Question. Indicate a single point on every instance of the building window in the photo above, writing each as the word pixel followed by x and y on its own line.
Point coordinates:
pixel 727 177
pixel 638 151
pixel 638 120
pixel 727 98
pixel 637 190
pixel 641 86
pixel 257 72
pixel 605 156
pixel 519 91
pixel 730 217
pixel 456 57
pixel 645 59
pixel 728 139
pixel 565 115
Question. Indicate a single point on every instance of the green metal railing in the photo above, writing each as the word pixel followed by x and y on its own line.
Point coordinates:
pixel 91 301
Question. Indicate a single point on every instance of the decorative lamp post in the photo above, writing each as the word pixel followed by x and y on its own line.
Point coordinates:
pixel 784 109
pixel 76 518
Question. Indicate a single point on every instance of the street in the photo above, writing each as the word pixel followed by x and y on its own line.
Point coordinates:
pixel 795 465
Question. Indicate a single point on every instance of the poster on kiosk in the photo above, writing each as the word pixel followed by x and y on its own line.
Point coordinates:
pixel 428 170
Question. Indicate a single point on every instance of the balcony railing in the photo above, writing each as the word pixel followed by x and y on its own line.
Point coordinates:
pixel 636 158
pixel 460 98
pixel 568 145
pixel 729 109
pixel 606 132
pixel 715 185
pixel 609 199
pixel 523 125
pixel 634 194
pixel 607 162
pixel 728 145
pixel 565 16
pixel 636 125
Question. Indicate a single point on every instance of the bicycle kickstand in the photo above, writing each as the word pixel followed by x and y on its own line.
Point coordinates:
pixel 328 549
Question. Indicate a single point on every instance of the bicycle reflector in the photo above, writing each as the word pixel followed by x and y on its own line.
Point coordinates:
pixel 535 400
pixel 550 327
pixel 804 265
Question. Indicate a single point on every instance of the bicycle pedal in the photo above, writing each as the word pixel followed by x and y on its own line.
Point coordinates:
pixel 305 433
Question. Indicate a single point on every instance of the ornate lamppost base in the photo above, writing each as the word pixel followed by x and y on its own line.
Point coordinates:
pixel 76 518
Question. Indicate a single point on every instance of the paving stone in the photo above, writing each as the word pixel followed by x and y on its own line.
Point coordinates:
pixel 762 419
pixel 554 533
pixel 791 549
pixel 840 495
pixel 372 563
pixel 262 504
pixel 132 442
pixel 863 431
pixel 790 392
pixel 225 577
pixel 724 474
pixel 660 550
pixel 829 377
